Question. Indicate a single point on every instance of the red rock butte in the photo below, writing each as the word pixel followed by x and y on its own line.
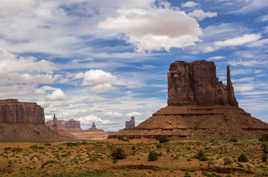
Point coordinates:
pixel 199 107
pixel 24 121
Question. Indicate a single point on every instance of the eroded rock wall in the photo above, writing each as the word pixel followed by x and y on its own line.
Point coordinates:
pixel 14 112
pixel 196 84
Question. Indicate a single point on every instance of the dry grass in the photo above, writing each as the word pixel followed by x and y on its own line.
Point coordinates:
pixel 93 158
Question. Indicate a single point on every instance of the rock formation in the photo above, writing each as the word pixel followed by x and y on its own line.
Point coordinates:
pixel 196 84
pixel 94 128
pixel 199 106
pixel 130 123
pixel 12 111
pixel 24 121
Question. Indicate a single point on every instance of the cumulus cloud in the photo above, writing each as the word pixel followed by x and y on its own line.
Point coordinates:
pixel 11 7
pixel 97 77
pixel 189 4
pixel 92 118
pixel 56 95
pixel 15 69
pixel 135 114
pixel 216 57
pixel 201 15
pixel 154 28
pixel 241 40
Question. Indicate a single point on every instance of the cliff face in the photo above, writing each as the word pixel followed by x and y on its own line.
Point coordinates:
pixel 14 112
pixel 196 84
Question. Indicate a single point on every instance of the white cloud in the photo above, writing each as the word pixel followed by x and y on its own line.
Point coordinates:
pixel 263 18
pixel 216 57
pixel 15 69
pixel 56 95
pixel 259 43
pixel 247 62
pixel 135 114
pixel 98 77
pixel 189 4
pixel 243 87
pixel 102 88
pixel 251 5
pixel 12 7
pixel 92 118
pixel 201 15
pixel 245 39
pixel 154 28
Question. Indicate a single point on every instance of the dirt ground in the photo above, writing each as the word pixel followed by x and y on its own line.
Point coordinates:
pixel 174 158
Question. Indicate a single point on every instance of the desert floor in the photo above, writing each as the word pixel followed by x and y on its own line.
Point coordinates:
pixel 173 158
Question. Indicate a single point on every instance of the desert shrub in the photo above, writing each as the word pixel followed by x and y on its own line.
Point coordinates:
pixel 233 140
pixel 201 156
pixel 158 146
pixel 162 139
pixel 71 144
pixel 48 162
pixel 187 174
pixel 36 147
pixel 264 157
pixel 227 161
pixel 264 137
pixel 118 154
pixel 152 156
pixel 265 147
pixel 242 158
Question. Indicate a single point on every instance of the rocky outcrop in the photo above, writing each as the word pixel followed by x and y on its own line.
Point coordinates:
pixel 14 112
pixel 199 107
pixel 196 84
pixel 130 123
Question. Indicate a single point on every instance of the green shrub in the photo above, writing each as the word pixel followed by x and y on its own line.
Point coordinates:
pixel 48 162
pixel 152 156
pixel 36 147
pixel 265 148
pixel 264 137
pixel 264 157
pixel 233 140
pixel 162 139
pixel 227 161
pixel 201 156
pixel 118 154
pixel 158 146
pixel 242 158
pixel 187 175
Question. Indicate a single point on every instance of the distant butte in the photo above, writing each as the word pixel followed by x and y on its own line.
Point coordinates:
pixel 199 106
pixel 24 121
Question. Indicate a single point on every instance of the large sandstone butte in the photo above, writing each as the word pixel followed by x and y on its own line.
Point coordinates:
pixel 23 121
pixel 12 111
pixel 199 106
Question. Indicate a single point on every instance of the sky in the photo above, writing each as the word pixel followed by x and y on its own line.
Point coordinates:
pixel 107 60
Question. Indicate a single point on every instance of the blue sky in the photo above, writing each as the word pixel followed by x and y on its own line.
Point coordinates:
pixel 107 60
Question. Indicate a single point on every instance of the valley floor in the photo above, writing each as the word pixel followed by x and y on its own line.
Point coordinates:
pixel 182 158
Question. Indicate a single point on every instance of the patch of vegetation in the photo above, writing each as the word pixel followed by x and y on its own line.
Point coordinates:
pixel 36 147
pixel 71 144
pixel 118 154
pixel 242 158
pixel 233 140
pixel 264 137
pixel 48 162
pixel 162 139
pixel 227 161
pixel 187 174
pixel 152 156
pixel 265 147
pixel 264 157
pixel 201 156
